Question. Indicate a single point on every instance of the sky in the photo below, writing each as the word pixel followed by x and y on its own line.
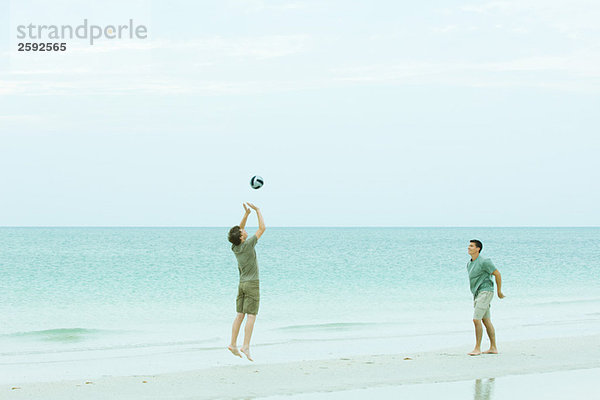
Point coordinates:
pixel 355 113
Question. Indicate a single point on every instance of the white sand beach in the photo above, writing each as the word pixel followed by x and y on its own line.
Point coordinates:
pixel 327 375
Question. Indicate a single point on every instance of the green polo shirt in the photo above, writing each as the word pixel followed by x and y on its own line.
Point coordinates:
pixel 246 258
pixel 480 275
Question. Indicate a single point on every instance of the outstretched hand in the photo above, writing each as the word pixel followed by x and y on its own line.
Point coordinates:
pixel 252 206
pixel 246 209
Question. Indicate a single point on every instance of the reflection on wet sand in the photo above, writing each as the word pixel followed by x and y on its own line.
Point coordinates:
pixel 483 389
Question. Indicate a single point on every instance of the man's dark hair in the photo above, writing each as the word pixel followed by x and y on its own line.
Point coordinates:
pixel 235 235
pixel 477 244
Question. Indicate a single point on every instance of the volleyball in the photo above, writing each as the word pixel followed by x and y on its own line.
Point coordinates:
pixel 256 182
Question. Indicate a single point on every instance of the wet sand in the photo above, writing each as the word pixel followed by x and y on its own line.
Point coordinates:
pixel 333 375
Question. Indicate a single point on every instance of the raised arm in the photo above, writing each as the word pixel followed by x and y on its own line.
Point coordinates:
pixel 261 221
pixel 245 218
pixel 498 277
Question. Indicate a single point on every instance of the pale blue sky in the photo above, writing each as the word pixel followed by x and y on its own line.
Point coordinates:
pixel 439 113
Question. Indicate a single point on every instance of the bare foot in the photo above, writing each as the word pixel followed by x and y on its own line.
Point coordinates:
pixel 475 352
pixel 246 351
pixel 234 350
pixel 491 351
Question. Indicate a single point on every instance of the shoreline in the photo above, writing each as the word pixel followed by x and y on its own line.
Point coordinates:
pixel 335 374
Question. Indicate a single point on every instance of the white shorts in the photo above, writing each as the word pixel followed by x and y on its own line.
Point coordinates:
pixel 482 305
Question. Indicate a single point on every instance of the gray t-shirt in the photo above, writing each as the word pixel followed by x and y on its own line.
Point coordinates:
pixel 246 258
pixel 480 272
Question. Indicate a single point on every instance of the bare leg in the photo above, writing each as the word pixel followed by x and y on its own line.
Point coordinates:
pixel 247 335
pixel 235 330
pixel 478 334
pixel 491 332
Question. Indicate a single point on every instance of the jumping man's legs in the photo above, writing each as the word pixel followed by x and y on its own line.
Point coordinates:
pixel 235 330
pixel 247 335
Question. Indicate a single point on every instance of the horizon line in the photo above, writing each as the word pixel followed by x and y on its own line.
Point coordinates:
pixel 304 226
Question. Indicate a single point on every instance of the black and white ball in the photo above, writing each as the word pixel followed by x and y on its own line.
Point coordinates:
pixel 256 182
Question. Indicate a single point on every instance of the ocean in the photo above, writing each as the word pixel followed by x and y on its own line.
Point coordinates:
pixel 85 302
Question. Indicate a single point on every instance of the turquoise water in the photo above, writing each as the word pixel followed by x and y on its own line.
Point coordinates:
pixel 142 289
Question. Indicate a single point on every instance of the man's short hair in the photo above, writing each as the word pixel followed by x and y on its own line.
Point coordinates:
pixel 235 235
pixel 477 244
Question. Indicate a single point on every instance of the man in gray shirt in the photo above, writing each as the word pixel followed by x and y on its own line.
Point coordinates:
pixel 480 271
pixel 248 297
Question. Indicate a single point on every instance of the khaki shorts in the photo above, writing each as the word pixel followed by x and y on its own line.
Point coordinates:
pixel 248 297
pixel 482 305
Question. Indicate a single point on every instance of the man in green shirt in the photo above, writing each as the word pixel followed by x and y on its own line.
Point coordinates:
pixel 480 271
pixel 248 297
